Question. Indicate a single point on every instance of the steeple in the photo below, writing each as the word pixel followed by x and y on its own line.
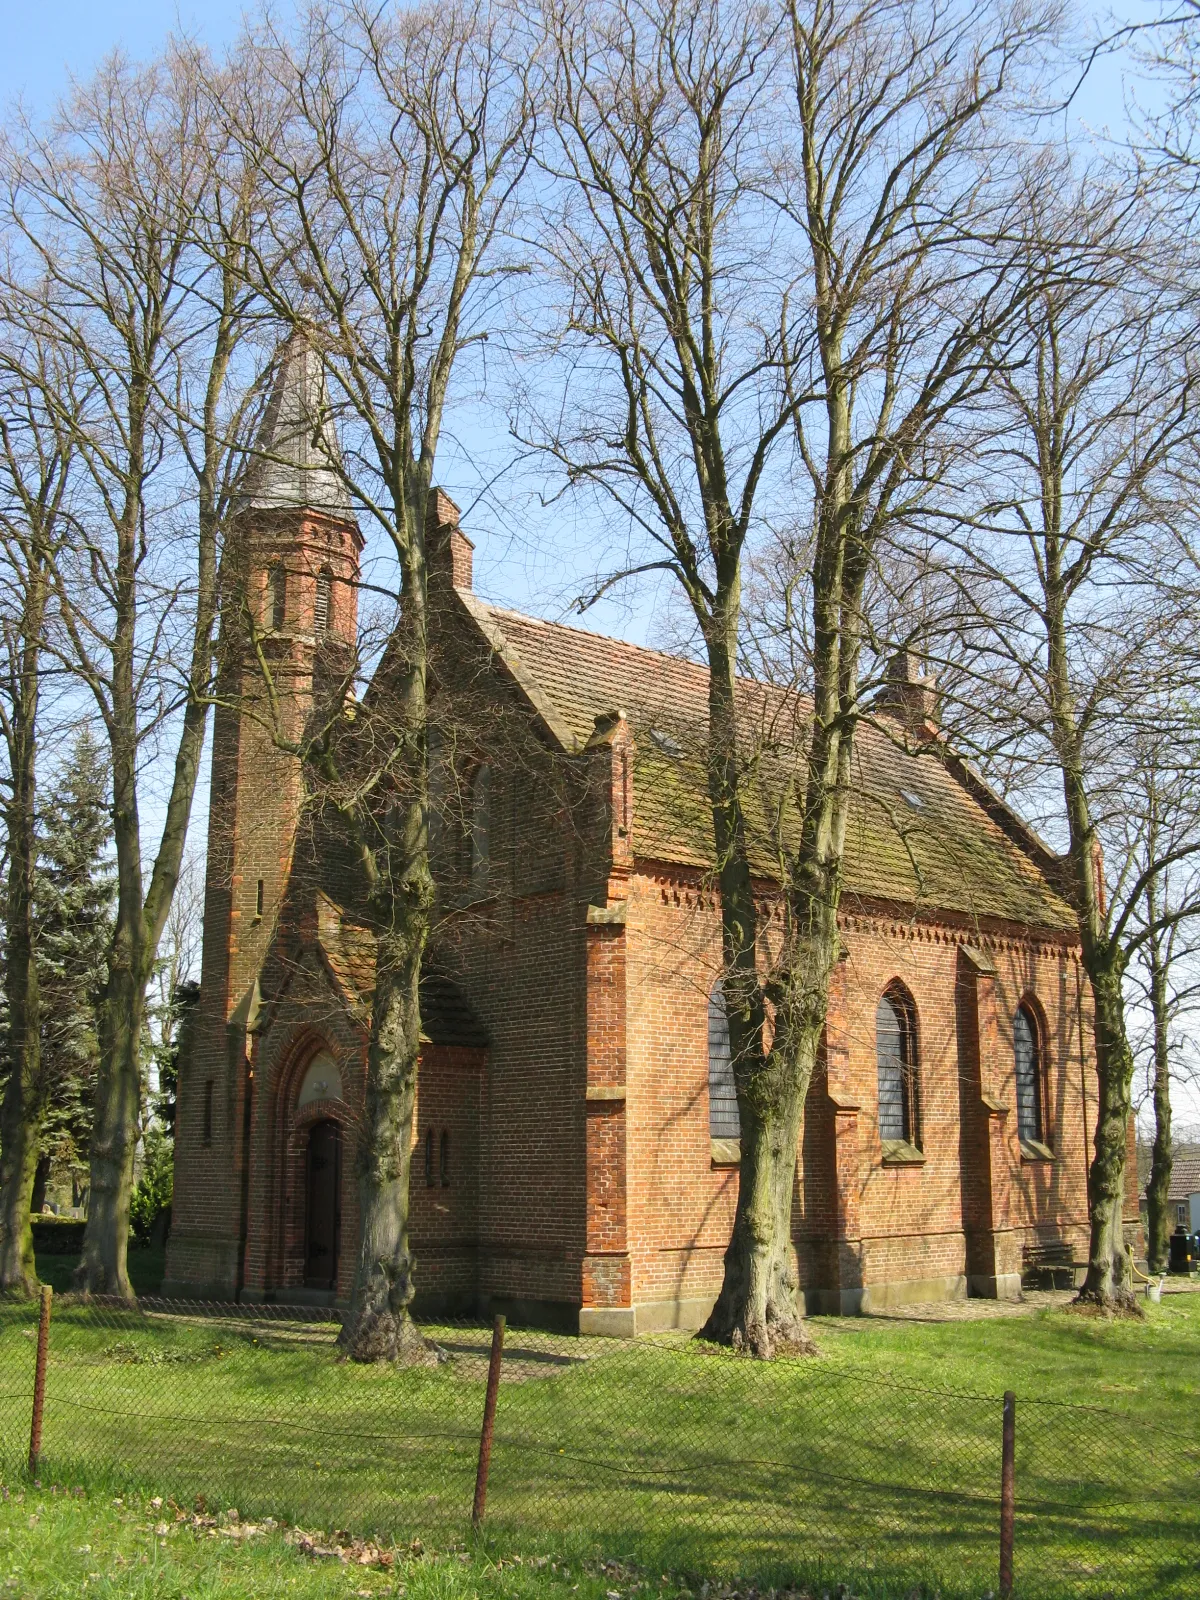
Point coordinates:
pixel 296 455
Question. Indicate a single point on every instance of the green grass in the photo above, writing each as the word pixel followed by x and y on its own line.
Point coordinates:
pixel 147 1267
pixel 877 1463
pixel 55 1545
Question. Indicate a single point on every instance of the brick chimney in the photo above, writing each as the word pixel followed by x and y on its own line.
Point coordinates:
pixel 910 694
pixel 448 552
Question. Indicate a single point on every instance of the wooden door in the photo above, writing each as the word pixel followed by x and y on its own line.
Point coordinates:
pixel 324 1218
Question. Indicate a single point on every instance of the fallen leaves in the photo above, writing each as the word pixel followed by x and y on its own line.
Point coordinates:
pixel 344 1548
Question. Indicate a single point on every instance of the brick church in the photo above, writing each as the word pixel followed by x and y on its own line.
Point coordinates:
pixel 576 1133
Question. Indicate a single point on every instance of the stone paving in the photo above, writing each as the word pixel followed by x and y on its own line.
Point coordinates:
pixel 1031 1302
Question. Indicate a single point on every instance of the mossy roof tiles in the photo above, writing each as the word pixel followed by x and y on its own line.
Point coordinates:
pixel 917 834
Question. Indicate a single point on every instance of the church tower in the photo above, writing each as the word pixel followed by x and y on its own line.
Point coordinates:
pixel 289 616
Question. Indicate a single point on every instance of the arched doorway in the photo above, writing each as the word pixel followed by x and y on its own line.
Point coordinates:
pixel 323 1210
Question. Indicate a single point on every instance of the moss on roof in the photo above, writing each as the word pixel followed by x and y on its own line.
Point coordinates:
pixel 916 833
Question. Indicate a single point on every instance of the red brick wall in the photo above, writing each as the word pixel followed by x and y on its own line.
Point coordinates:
pixel 444 1217
pixel 253 806
pixel 857 1221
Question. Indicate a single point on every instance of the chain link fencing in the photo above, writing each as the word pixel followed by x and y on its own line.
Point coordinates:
pixel 661 1452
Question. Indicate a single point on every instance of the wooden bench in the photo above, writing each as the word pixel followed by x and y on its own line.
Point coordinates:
pixel 1049 1266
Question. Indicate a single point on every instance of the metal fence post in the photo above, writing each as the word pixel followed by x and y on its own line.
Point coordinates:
pixel 39 1381
pixel 489 1418
pixel 1007 1490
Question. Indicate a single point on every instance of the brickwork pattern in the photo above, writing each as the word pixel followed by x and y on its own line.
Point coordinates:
pixel 585 1184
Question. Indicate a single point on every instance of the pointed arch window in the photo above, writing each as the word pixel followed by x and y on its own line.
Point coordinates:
pixel 1029 1063
pixel 898 1070
pixel 724 1119
pixel 277 595
pixel 323 604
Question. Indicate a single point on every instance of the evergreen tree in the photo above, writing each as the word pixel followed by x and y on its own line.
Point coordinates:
pixel 74 896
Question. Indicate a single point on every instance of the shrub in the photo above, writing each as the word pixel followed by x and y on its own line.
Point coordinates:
pixel 154 1190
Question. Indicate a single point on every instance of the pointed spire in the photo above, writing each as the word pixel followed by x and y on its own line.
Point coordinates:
pixel 296 455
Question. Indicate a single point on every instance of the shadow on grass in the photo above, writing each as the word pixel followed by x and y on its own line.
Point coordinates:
pixel 673 1458
pixel 147 1268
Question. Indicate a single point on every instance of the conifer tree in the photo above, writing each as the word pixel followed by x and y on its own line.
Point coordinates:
pixel 74 895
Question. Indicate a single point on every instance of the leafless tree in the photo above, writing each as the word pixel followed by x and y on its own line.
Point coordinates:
pixel 36 459
pixel 1082 564
pixel 110 204
pixel 1158 819
pixel 781 236
pixel 391 143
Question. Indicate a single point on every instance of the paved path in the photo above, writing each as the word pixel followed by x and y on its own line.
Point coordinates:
pixel 1031 1302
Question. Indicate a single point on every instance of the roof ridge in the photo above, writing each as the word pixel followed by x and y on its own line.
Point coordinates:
pixel 627 644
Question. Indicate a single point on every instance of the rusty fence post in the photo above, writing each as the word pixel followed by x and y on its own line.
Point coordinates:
pixel 1007 1494
pixel 39 1381
pixel 489 1419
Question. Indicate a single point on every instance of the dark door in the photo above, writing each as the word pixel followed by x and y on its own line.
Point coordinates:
pixel 324 1206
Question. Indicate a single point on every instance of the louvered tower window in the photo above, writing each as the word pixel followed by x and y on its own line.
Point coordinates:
pixel 277 586
pixel 323 606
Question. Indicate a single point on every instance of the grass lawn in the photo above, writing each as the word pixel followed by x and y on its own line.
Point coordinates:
pixel 57 1545
pixel 147 1267
pixel 877 1463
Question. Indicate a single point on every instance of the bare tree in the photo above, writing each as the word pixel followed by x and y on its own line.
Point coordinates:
pixel 780 226
pixel 1160 819
pixel 391 142
pixel 36 458
pixel 1087 586
pixel 110 203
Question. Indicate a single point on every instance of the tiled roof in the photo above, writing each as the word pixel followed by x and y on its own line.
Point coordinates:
pixel 917 834
pixel 1185 1177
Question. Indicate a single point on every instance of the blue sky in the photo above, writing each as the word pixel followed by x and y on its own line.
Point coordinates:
pixel 43 47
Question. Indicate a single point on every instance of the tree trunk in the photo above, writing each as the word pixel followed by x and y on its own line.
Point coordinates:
pixel 20 1129
pixel 24 1095
pixel 758 1308
pixel 142 910
pixel 1109 1277
pixel 41 1180
pixel 1109 1280
pixel 380 1327
pixel 1158 1188
pixel 103 1265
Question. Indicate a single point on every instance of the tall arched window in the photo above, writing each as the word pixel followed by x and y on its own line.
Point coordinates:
pixel 724 1120
pixel 277 590
pixel 444 1159
pixel 896 1061
pixel 429 1158
pixel 1027 1054
pixel 323 604
pixel 481 822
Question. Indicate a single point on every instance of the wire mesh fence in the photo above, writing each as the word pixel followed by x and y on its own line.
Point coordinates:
pixel 666 1453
